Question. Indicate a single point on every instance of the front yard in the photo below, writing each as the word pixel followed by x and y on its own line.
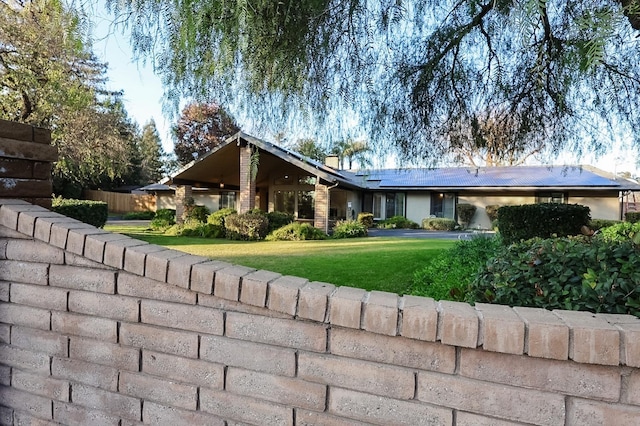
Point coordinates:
pixel 385 264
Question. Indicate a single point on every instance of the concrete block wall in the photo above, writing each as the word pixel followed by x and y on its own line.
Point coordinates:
pixel 98 328
pixel 26 157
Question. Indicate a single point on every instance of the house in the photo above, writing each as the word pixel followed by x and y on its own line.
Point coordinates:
pixel 245 172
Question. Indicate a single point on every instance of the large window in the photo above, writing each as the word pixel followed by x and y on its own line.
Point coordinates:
pixel 306 204
pixel 551 197
pixel 285 201
pixel 443 204
pixel 395 204
pixel 227 200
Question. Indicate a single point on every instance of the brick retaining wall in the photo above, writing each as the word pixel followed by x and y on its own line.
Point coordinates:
pixel 98 328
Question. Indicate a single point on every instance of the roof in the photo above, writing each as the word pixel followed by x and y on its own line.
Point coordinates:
pixel 552 177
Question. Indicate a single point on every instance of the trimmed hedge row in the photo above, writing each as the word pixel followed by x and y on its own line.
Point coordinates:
pixel 92 212
pixel 545 220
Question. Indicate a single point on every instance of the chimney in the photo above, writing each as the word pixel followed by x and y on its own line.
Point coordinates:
pixel 332 161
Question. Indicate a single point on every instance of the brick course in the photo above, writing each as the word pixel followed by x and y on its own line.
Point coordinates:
pixel 207 342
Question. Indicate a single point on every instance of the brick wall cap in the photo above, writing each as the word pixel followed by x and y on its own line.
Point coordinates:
pixel 383 298
pixel 579 319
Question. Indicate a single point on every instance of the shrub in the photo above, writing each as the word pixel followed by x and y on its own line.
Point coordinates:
pixel 621 231
pixel 217 218
pixel 366 219
pixel 573 273
pixel 147 215
pixel 246 226
pixel 296 231
pixel 399 222
pixel 194 228
pixel 439 224
pixel 163 219
pixel 596 224
pixel 541 220
pixel 492 212
pixel 349 229
pixel 197 212
pixel 465 213
pixel 632 217
pixel 92 212
pixel 449 274
pixel 278 220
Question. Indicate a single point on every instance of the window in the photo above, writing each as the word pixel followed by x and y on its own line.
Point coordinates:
pixel 377 206
pixel 227 200
pixel 551 197
pixel 306 204
pixel 285 201
pixel 443 204
pixel 307 180
pixel 395 204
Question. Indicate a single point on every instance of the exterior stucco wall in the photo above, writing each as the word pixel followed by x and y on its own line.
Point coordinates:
pixel 418 206
pixel 601 207
pixel 481 201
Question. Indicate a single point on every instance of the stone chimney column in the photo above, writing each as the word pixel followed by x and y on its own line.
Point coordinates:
pixel 247 184
pixel 183 195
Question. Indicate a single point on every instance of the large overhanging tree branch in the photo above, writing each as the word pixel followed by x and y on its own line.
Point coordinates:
pixel 414 71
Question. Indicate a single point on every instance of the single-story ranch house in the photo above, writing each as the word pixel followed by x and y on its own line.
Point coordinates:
pixel 245 173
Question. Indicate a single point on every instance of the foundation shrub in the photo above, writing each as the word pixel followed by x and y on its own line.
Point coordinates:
pixel 197 212
pixel 92 212
pixel 632 217
pixel 217 218
pixel 574 273
pixel 349 229
pixel 397 222
pixel 621 231
pixel 366 219
pixel 596 224
pixel 439 224
pixel 278 220
pixel 449 274
pixel 246 226
pixel 544 220
pixel 465 213
pixel 163 219
pixel 195 228
pixel 296 231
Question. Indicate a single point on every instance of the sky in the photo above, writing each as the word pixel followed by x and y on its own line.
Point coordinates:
pixel 143 96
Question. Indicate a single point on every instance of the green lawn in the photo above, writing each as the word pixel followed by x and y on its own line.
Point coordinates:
pixel 385 264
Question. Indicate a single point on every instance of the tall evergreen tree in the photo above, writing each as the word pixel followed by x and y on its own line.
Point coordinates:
pixel 153 167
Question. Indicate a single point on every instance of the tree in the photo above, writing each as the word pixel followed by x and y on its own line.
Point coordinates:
pixel 309 148
pixel 489 140
pixel 413 70
pixel 200 128
pixel 350 150
pixel 153 167
pixel 50 78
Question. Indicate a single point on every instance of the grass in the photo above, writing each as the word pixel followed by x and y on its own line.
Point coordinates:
pixel 385 264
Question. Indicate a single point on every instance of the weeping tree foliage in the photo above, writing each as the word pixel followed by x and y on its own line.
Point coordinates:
pixel 413 71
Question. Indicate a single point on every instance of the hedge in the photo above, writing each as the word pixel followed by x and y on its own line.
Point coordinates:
pixel 544 220
pixel 92 212
pixel 632 217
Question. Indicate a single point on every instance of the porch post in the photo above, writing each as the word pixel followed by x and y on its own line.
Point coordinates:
pixel 247 184
pixel 321 214
pixel 183 193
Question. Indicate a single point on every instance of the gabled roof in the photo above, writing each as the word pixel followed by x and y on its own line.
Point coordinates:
pixel 524 177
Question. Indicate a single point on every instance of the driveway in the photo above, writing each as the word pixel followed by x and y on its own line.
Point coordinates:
pixel 422 233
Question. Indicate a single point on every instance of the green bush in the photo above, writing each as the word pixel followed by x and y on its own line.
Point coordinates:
pixel 278 220
pixel 492 212
pixel 574 273
pixel 541 220
pixel 349 229
pixel 217 218
pixel 247 226
pixel 439 224
pixel 147 215
pixel 296 231
pixel 195 228
pixel 197 212
pixel 632 217
pixel 397 222
pixel 596 224
pixel 449 274
pixel 622 231
pixel 366 219
pixel 163 219
pixel 465 213
pixel 92 212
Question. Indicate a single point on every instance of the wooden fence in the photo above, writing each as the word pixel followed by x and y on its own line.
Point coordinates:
pixel 123 203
